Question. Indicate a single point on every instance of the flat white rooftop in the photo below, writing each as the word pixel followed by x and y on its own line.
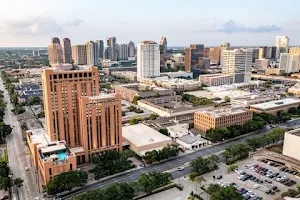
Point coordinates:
pixel 275 104
pixel 227 111
pixel 141 135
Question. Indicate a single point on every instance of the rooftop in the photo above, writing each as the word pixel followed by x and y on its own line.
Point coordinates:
pixel 277 103
pixel 142 135
pixel 189 139
pixel 220 112
pixel 294 132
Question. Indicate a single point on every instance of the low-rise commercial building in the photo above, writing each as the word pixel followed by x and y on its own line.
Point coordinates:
pixel 216 79
pixel 295 89
pixel 179 74
pixel 129 91
pixel 190 142
pixel 178 130
pixel 142 138
pixel 291 143
pixel 254 99
pixel 262 64
pixel 49 158
pixel 175 84
pixel 221 117
pixel 272 107
pixel 125 74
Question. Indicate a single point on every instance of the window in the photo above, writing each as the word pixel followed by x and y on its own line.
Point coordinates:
pixel 50 172
pixel 71 167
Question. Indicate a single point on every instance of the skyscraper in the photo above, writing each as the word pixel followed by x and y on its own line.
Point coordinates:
pixel 215 54
pixel 289 62
pixel 75 112
pixel 239 63
pixel 262 52
pixel 163 50
pixel 67 51
pixel 79 54
pixel 148 60
pixel 123 52
pixel 106 53
pixel 131 49
pixel 100 46
pixel 55 51
pixel 112 44
pixel 282 45
pixel 91 53
pixel 192 56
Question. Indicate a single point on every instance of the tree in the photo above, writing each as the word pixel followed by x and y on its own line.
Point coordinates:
pixel 14 98
pixel 167 152
pixel 151 181
pixel 292 110
pixel 133 121
pixel 34 101
pixel 18 110
pixel 232 168
pixel 224 193
pixel 227 99
pixel 290 193
pixel 218 134
pixel 203 165
pixel 18 182
pixel 212 188
pixel 164 131
pixel 66 181
pixel 153 116
pixel 5 130
pixel 135 100
pixel 109 163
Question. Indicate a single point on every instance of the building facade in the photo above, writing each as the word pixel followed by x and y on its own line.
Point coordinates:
pixel 101 124
pixel 100 47
pixel 112 44
pixel 282 45
pixel 273 107
pixel 215 54
pixel 131 49
pixel 239 63
pixel 123 52
pixel 91 53
pixel 216 79
pixel 55 52
pixel 220 118
pixel 291 143
pixel 148 60
pixel 193 55
pixel 67 51
pixel 163 50
pixel 289 62
pixel 79 54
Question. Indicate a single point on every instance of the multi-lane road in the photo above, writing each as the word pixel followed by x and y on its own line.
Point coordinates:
pixel 163 166
pixel 18 155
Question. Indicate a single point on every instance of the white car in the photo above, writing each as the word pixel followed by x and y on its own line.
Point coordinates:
pixel 256 186
pixel 26 168
pixel 180 168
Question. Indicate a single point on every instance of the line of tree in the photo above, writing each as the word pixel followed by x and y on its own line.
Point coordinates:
pixel 147 183
pixel 202 165
pixel 110 162
pixel 197 101
pixel 220 193
pixel 66 181
pixel 135 109
pixel 167 152
pixel 134 120
pixel 6 180
pixel 280 117
pixel 241 150
pixel 220 134
pixel 118 191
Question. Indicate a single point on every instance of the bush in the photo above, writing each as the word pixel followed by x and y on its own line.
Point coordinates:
pixel 232 168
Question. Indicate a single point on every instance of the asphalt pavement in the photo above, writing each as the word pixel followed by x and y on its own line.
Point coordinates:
pixel 163 166
pixel 18 155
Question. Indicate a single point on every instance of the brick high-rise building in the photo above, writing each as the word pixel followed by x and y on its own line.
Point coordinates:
pixel 101 123
pixel 55 52
pixel 67 51
pixel 215 54
pixel 112 44
pixel 79 54
pixel 192 56
pixel 77 114
pixel 163 50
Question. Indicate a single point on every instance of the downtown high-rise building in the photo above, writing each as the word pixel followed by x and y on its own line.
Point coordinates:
pixel 100 47
pixel 289 62
pixel 91 53
pixel 163 47
pixel 192 56
pixel 75 112
pixel 123 52
pixel 79 54
pixel 106 53
pixel 239 63
pixel 148 60
pixel 55 52
pixel 131 49
pixel 112 44
pixel 282 45
pixel 67 51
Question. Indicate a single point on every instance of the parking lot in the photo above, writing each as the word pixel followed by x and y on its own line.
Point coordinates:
pixel 251 182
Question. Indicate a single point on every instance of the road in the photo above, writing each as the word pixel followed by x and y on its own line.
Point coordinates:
pixel 163 166
pixel 18 155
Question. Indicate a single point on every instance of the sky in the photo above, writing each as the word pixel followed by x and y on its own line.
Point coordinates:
pixel 32 23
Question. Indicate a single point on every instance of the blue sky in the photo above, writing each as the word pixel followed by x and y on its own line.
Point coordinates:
pixel 254 22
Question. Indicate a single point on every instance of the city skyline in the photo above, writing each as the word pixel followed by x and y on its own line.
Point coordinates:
pixel 229 21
